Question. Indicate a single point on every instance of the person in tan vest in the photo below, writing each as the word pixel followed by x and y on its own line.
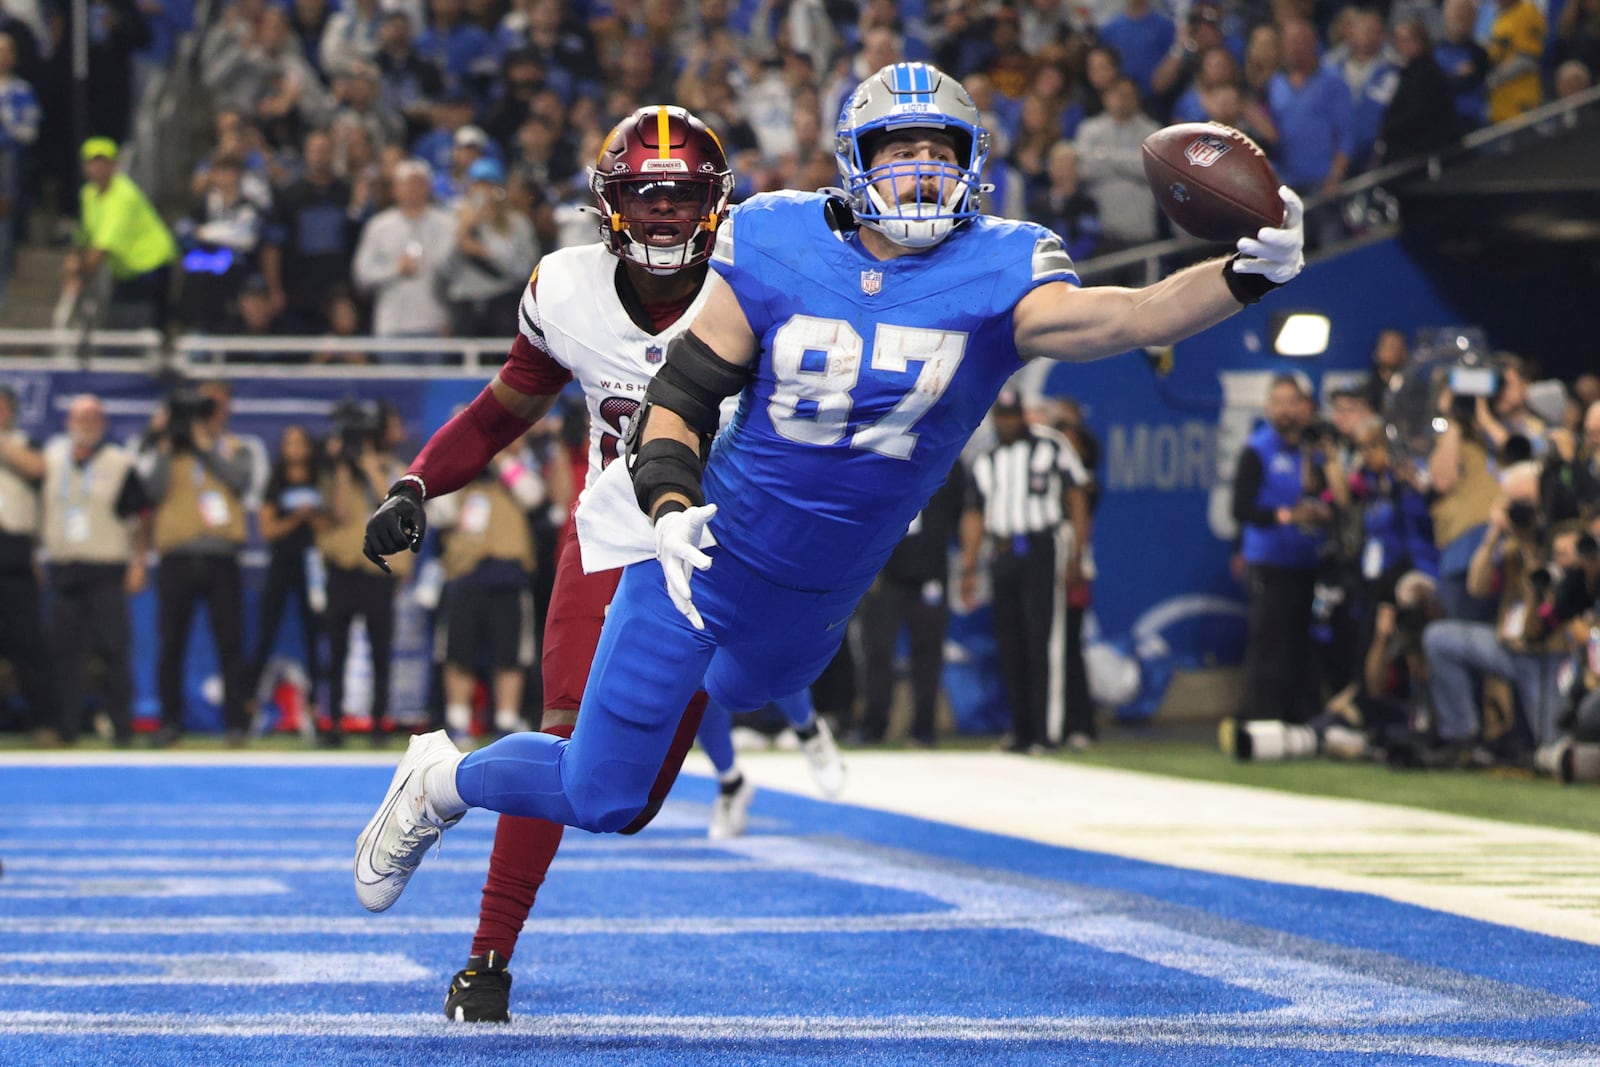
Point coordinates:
pixel 198 476
pixel 96 532
pixel 21 621
pixel 1520 645
pixel 359 474
pixel 488 557
pixel 1462 491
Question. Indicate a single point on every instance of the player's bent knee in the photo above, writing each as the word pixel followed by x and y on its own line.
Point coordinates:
pixel 645 816
pixel 606 812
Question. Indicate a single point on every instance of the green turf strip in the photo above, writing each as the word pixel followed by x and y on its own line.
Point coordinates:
pixel 1506 795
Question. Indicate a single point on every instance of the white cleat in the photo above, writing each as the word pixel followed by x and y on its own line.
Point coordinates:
pixel 827 766
pixel 731 811
pixel 405 826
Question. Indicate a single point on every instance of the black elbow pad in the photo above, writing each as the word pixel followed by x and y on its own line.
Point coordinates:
pixel 665 466
pixel 694 381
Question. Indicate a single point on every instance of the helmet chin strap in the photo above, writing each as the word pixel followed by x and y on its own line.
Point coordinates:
pixel 680 253
pixel 910 232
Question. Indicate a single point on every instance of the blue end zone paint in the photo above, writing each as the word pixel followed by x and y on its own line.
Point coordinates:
pixel 190 915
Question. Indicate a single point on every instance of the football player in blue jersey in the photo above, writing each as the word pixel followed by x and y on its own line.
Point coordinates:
pixel 866 337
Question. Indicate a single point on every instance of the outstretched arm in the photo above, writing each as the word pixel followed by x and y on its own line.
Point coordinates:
pixel 1061 321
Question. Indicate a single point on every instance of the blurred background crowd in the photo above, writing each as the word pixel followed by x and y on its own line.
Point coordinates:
pixel 338 132
pixel 1417 549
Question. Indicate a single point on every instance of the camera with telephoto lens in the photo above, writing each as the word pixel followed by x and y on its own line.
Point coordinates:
pixel 1474 377
pixel 1319 432
pixel 1540 579
pixel 186 405
pixel 1523 515
pixel 358 425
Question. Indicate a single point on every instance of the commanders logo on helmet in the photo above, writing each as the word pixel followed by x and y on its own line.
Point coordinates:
pixel 662 182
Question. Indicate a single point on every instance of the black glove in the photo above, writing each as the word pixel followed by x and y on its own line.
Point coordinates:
pixel 398 524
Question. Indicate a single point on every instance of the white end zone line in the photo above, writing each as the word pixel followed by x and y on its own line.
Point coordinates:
pixel 1171 1031
pixel 1447 863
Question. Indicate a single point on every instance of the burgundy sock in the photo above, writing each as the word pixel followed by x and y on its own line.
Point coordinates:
pixel 523 851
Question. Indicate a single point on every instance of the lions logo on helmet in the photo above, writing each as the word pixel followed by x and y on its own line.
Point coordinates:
pixel 662 183
pixel 912 96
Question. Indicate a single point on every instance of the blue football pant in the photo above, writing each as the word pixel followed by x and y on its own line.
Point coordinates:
pixel 716 726
pixel 761 641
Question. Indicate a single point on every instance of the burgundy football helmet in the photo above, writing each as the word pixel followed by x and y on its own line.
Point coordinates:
pixel 662 182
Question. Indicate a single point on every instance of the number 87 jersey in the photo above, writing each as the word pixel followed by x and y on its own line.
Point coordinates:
pixel 870 377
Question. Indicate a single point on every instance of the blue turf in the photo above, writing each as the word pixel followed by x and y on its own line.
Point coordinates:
pixel 830 933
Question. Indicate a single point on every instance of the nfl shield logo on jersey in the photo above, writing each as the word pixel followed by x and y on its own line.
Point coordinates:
pixel 652 354
pixel 1206 150
pixel 872 282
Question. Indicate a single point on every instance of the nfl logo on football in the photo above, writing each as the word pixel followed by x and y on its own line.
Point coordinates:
pixel 872 282
pixel 1204 151
pixel 652 354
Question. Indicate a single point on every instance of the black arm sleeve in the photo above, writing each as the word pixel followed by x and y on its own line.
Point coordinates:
pixel 1247 479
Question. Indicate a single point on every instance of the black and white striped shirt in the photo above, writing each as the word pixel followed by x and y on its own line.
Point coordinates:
pixel 1020 486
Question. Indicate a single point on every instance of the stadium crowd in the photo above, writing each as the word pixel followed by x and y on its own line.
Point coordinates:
pixel 397 168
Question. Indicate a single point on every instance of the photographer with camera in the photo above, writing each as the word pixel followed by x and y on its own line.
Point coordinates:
pixel 1569 486
pixel 1503 413
pixel 1461 487
pixel 1387 716
pixel 22 466
pixel 198 474
pixel 359 473
pixel 96 530
pixel 1520 646
pixel 488 558
pixel 1574 607
pixel 1277 502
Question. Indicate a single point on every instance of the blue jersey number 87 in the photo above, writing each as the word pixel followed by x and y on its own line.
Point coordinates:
pixel 816 363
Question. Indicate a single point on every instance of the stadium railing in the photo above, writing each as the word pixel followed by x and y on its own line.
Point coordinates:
pixel 1365 204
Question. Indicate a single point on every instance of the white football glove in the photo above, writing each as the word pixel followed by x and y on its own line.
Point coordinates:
pixel 1278 254
pixel 678 549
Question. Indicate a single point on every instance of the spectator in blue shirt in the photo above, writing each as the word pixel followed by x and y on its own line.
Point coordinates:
pixel 1311 108
pixel 463 51
pixel 19 128
pixel 1141 35
pixel 1368 69
pixel 1464 61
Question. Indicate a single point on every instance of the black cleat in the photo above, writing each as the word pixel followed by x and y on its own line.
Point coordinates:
pixel 481 993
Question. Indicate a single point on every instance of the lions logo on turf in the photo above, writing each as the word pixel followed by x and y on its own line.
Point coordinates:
pixel 1206 150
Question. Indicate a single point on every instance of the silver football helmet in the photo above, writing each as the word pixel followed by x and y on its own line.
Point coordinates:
pixel 908 96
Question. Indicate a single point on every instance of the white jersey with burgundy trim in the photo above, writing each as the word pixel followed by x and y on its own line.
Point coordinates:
pixel 571 311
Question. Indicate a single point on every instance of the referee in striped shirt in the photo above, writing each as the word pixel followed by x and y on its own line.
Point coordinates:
pixel 1021 494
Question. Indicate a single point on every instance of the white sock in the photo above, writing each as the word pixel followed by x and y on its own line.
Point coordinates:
pixel 458 717
pixel 439 786
pixel 507 720
pixel 729 776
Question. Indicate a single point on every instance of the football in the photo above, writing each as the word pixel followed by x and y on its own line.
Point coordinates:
pixel 1212 180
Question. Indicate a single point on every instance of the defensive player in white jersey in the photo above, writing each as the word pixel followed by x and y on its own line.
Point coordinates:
pixel 602 313
pixel 867 338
